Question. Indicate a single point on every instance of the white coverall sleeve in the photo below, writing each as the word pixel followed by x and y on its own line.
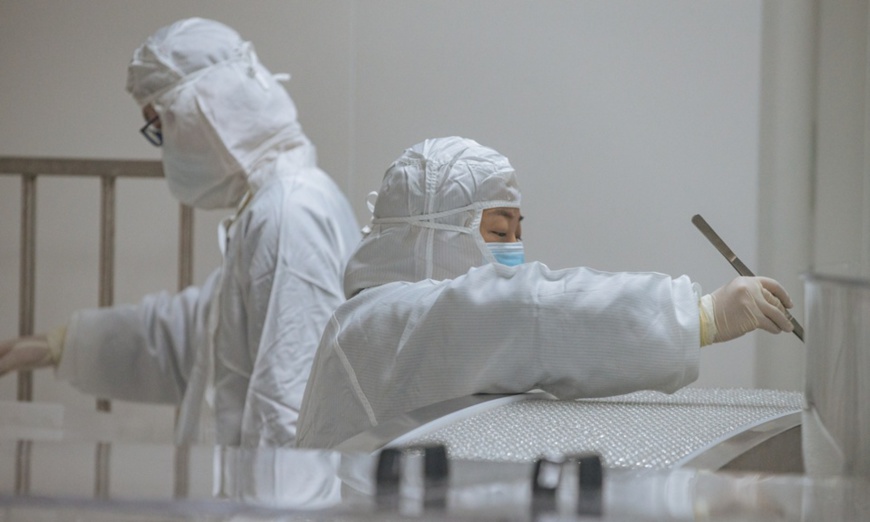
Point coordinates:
pixel 141 352
pixel 574 333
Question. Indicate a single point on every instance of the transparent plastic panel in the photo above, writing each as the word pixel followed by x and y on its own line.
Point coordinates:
pixel 836 418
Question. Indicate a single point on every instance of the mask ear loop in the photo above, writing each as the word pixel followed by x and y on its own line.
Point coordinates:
pixel 371 201
pixel 250 56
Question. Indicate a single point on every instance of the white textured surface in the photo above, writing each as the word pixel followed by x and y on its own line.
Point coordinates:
pixel 639 430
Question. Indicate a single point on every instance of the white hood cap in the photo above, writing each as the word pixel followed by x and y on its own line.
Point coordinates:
pixel 204 81
pixel 426 219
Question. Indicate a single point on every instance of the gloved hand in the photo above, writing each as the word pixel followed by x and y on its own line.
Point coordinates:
pixel 29 353
pixel 743 305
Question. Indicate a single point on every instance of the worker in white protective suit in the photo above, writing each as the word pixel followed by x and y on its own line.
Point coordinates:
pixel 236 352
pixel 441 305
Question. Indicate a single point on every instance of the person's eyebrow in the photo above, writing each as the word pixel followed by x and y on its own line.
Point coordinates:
pixel 505 213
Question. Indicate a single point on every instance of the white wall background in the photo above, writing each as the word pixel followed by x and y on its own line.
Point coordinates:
pixel 623 118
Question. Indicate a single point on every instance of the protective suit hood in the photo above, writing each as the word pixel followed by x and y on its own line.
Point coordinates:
pixel 426 218
pixel 224 116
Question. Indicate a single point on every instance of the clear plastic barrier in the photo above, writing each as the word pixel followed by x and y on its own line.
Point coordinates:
pixel 836 417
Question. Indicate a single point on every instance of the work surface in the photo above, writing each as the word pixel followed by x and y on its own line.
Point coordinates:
pixel 647 430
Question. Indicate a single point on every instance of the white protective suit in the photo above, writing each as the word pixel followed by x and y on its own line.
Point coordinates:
pixel 252 328
pixel 432 317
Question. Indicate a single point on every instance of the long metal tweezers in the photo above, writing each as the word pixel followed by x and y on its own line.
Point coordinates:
pixel 738 265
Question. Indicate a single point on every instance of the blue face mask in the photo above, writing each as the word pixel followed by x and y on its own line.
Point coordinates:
pixel 510 254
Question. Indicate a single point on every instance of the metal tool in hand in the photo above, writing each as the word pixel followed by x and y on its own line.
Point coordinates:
pixel 738 265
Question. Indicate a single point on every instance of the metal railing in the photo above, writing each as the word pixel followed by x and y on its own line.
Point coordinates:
pixel 29 169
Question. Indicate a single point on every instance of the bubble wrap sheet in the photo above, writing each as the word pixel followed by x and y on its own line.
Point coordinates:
pixel 640 430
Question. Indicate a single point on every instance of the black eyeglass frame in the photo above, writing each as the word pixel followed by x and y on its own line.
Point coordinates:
pixel 151 133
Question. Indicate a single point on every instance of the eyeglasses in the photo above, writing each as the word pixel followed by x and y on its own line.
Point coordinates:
pixel 152 133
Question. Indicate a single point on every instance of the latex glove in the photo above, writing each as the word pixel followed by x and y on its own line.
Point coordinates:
pixel 29 353
pixel 743 305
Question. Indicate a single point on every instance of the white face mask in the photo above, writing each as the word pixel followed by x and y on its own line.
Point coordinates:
pixel 510 254
pixel 198 168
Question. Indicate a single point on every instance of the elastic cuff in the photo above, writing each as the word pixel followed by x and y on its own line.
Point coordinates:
pixel 708 322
